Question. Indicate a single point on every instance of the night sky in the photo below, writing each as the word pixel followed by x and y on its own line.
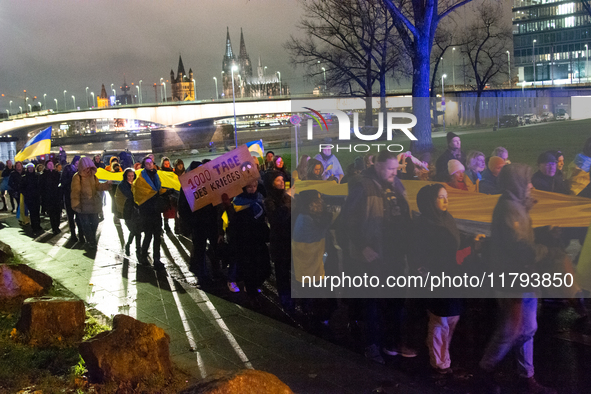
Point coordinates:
pixel 57 45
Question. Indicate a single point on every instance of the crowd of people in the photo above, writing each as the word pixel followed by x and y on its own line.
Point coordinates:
pixel 253 234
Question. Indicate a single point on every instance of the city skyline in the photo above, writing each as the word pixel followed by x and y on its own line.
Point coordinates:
pixel 102 43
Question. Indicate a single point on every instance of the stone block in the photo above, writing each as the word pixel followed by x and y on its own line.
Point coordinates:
pixel 130 352
pixel 244 382
pixel 52 320
pixel 21 281
pixel 6 252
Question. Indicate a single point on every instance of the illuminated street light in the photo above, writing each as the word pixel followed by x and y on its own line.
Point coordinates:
pixel 216 88
pixel 87 106
pixel 324 71
pixel 509 61
pixel 587 62
pixel 45 100
pixel 29 105
pixel 114 93
pixel 533 53
pixel 164 85
pixel 74 99
pixel 443 98
pixel 56 109
pixel 10 106
pixel 140 91
pixel 65 109
pixel 453 66
pixel 20 109
pixel 264 70
pixel 92 93
pixel 234 105
pixel 280 89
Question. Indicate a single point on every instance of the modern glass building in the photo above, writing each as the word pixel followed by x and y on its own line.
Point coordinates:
pixel 551 40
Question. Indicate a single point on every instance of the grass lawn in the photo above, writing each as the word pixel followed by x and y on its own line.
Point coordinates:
pixel 523 143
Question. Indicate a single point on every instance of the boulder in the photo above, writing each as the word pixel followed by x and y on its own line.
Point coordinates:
pixel 244 382
pixel 6 252
pixel 52 320
pixel 18 282
pixel 130 352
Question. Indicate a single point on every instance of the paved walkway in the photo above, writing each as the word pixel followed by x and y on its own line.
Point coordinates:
pixel 208 334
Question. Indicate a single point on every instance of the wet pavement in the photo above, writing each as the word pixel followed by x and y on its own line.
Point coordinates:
pixel 215 330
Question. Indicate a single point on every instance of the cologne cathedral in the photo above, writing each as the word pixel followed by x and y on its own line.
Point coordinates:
pixel 245 83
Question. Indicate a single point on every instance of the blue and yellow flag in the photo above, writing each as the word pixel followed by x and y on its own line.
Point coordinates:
pixel 256 147
pixel 36 146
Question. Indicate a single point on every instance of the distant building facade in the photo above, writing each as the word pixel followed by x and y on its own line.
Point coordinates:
pixel 102 101
pixel 245 83
pixel 551 40
pixel 183 86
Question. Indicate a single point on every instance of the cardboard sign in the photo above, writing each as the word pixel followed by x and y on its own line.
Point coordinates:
pixel 227 174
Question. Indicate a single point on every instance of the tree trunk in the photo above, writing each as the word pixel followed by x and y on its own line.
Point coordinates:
pixel 477 108
pixel 369 94
pixel 420 94
pixel 383 98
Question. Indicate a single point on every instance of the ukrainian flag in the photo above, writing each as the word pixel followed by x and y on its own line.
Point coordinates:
pixel 256 147
pixel 36 146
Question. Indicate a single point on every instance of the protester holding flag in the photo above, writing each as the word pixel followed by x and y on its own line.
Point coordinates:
pixel 146 190
pixel 331 164
pixel 51 195
pixel 31 192
pixel 66 182
pixel 127 207
pixel 87 200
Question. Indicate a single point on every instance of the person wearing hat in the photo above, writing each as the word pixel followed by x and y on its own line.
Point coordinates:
pixel 66 181
pixel 488 184
pixel 453 151
pixel 545 178
pixel 456 172
pixel 331 164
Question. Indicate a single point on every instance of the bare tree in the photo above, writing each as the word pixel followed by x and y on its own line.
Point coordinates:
pixel 486 42
pixel 587 5
pixel 357 42
pixel 416 22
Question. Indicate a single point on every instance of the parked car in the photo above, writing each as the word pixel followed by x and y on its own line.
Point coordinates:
pixel 531 118
pixel 547 117
pixel 509 121
pixel 561 114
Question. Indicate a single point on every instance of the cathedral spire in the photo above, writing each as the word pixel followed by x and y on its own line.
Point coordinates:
pixel 181 69
pixel 229 53
pixel 243 53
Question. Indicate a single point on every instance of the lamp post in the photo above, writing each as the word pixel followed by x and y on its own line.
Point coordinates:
pixel 92 93
pixel 11 106
pixel 587 62
pixel 234 105
pixel 443 98
pixel 141 91
pixel 509 61
pixel 280 88
pixel 74 100
pixel 161 94
pixel 453 66
pixel 138 93
pixel 324 72
pixel 87 106
pixel 164 85
pixel 55 104
pixel 216 88
pixel 39 102
pixel 534 59
pixel 112 86
pixel 45 100
pixel 114 93
pixel 29 105
pixel 65 108
pixel 264 68
pixel 20 109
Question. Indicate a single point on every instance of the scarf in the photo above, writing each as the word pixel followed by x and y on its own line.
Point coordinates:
pixel 583 162
pixel 155 185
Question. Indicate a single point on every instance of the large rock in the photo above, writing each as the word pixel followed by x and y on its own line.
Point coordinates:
pixel 52 320
pixel 132 351
pixel 18 282
pixel 244 382
pixel 6 252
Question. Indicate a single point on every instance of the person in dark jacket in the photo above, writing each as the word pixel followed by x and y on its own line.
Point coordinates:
pixel 129 207
pixel 488 184
pixel 9 169
pixel 278 209
pixel 179 167
pixel 165 164
pixel 14 187
pixel 546 178
pixel 315 170
pixel 98 162
pixel 453 151
pixel 280 166
pixel 513 249
pixel 66 184
pixel 51 195
pixel 32 195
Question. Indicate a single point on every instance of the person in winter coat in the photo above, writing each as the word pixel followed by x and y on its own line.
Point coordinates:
pixel 546 178
pixel 66 184
pixel 488 184
pixel 87 200
pixel 179 167
pixel 456 173
pixel 436 243
pixel 577 174
pixel 475 164
pixel 170 212
pixel 315 170
pixel 302 169
pixel 248 235
pixel 280 166
pixel 112 161
pixel 31 192
pixel 98 162
pixel 513 249
pixel 9 169
pixel 165 164
pixel 51 195
pixel 454 151
pixel 278 210
pixel 14 187
pixel 127 209
pixel 146 190
pixel 331 165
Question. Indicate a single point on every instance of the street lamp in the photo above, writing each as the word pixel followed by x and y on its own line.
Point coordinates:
pixel 65 108
pixel 74 100
pixel 112 86
pixel 164 84
pixel 194 90
pixel 20 109
pixel 443 98
pixel 92 93
pixel 39 102
pixel 280 88
pixel 587 62
pixel 55 104
pixel 45 100
pixel 509 61
pixel 534 59
pixel 29 105
pixel 161 94
pixel 453 66
pixel 140 91
pixel 87 106
pixel 264 68
pixel 324 72
pixel 234 104
pixel 216 88
pixel 114 93
pixel 11 106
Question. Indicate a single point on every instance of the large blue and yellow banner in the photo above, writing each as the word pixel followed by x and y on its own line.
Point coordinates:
pixel 36 146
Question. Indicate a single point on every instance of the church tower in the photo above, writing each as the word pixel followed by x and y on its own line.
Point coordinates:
pixel 183 87
pixel 102 101
pixel 227 64
pixel 244 60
